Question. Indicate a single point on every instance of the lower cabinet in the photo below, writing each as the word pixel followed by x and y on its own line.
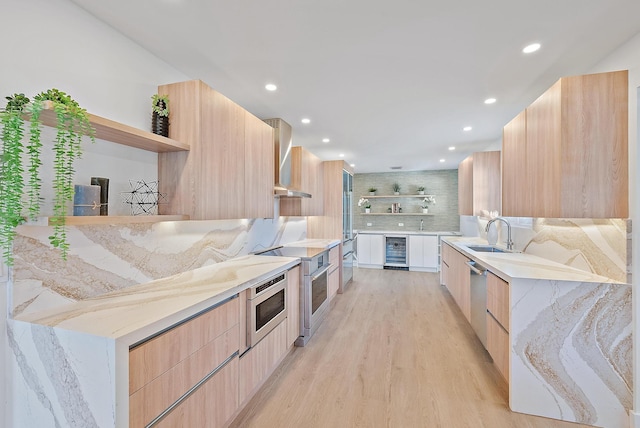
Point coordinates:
pixel 457 278
pixel 164 369
pixel 257 364
pixel 370 250
pixel 293 302
pixel 333 279
pixel 211 405
pixel 498 308
pixel 423 253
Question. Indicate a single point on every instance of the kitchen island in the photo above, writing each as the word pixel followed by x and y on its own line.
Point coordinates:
pixel 562 339
pixel 73 361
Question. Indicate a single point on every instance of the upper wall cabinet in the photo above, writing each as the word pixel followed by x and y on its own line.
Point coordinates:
pixel 566 156
pixel 306 175
pixel 479 183
pixel 229 171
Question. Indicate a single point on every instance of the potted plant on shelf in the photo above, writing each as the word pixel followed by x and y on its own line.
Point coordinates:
pixel 396 188
pixel 372 191
pixel 72 123
pixel 367 205
pixel 160 115
pixel 425 203
pixel 421 190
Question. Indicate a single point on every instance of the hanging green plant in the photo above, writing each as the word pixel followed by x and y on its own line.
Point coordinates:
pixel 72 124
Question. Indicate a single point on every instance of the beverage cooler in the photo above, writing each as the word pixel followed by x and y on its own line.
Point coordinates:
pixel 395 252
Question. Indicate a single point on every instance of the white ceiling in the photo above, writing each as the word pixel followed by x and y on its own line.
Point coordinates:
pixel 390 83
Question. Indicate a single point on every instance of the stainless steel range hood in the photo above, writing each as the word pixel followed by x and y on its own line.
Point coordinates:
pixel 283 144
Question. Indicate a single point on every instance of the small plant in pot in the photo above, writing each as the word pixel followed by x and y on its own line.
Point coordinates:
pixel 372 191
pixel 160 115
pixel 421 190
pixel 396 188
pixel 367 205
pixel 425 203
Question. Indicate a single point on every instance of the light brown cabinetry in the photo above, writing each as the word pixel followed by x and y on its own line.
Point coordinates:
pixel 293 302
pixel 333 279
pixel 573 159
pixel 479 184
pixel 229 171
pixel 498 315
pixel 329 225
pixel 458 280
pixel 165 368
pixel 306 175
pixel 257 364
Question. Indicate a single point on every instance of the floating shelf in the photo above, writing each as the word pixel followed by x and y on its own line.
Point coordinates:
pixel 396 214
pixel 395 196
pixel 116 132
pixel 115 219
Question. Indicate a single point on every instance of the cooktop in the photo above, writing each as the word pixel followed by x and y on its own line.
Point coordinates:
pixel 302 252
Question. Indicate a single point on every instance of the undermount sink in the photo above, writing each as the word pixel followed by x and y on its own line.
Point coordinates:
pixel 486 249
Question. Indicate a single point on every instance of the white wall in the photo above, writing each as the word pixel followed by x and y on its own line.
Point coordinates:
pixel 54 43
pixel 628 57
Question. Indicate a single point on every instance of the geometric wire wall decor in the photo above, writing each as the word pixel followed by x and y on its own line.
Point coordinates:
pixel 144 197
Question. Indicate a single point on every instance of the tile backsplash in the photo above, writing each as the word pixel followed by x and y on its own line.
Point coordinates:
pixel 443 215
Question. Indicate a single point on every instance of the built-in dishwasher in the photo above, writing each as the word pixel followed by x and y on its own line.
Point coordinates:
pixel 478 300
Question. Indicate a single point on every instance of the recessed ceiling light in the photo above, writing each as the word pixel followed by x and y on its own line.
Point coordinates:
pixel 352 165
pixel 467 128
pixel 531 48
pixel 452 148
pixel 490 101
pixel 306 121
pixel 441 160
pixel 325 140
pixel 270 87
pixel 341 155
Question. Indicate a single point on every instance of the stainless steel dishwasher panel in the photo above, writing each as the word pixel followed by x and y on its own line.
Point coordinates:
pixel 479 300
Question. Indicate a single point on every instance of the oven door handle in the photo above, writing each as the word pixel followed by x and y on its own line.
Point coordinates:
pixel 319 274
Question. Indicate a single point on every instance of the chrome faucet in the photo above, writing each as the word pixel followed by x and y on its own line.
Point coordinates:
pixel 509 241
pixel 421 225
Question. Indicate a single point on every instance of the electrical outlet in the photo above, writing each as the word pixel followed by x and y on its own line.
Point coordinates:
pixel 400 224
pixel 369 224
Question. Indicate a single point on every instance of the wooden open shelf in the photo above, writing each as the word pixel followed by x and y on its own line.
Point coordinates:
pixel 114 219
pixel 396 214
pixel 116 132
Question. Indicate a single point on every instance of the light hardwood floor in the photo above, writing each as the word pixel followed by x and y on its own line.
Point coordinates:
pixel 395 351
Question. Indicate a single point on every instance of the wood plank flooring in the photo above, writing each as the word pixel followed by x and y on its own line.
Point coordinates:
pixel 395 351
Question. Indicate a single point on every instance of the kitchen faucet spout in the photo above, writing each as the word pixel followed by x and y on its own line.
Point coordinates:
pixel 421 225
pixel 509 241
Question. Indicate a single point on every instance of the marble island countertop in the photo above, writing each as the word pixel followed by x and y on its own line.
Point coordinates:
pixel 517 265
pixel 137 312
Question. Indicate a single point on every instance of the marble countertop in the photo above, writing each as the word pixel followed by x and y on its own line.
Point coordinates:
pixel 405 232
pixel 137 312
pixel 517 265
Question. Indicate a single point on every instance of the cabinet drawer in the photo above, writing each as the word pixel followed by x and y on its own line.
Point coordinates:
pixel 498 299
pixel 334 256
pixel 498 345
pixel 156 396
pixel 211 406
pixel 156 356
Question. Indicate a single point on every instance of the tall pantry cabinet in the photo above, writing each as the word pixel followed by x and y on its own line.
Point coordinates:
pixel 229 171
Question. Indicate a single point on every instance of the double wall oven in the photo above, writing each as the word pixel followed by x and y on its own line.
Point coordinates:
pixel 314 292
